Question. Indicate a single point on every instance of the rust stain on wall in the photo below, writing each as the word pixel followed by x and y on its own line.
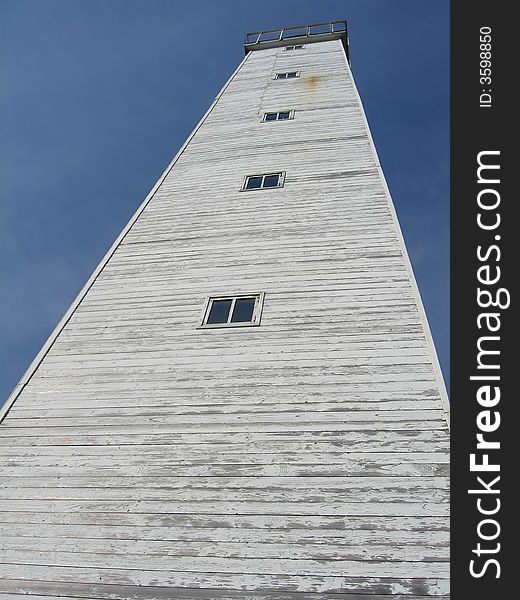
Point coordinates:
pixel 312 82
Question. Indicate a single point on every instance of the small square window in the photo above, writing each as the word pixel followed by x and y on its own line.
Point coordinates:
pixel 282 115
pixel 271 181
pixel 243 310
pixel 288 75
pixel 297 47
pixel 232 311
pixel 219 311
pixel 254 183
pixel 259 182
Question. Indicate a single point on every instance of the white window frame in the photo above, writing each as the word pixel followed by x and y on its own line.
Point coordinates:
pixel 281 181
pixel 277 112
pixel 275 75
pixel 255 320
pixel 294 47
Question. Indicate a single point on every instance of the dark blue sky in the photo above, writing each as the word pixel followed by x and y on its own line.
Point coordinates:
pixel 96 97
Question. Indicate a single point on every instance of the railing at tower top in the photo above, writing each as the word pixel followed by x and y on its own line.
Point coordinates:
pixel 297 35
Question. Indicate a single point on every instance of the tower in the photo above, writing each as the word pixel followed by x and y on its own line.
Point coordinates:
pixel 244 401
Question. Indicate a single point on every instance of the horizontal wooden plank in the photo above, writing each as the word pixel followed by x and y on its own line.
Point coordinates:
pixel 345 508
pixel 150 445
pixel 215 532
pixel 234 470
pixel 235 359
pixel 302 427
pixel 334 525
pixel 210 409
pixel 172 380
pixel 13 588
pixel 283 483
pixel 425 583
pixel 296 549
pixel 148 360
pixel 371 440
pixel 297 418
pixel 207 456
pixel 210 564
pixel 266 493
pixel 361 346
pixel 379 391
pixel 125 593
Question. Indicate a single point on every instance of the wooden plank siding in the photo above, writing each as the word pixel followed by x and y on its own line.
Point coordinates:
pixel 145 458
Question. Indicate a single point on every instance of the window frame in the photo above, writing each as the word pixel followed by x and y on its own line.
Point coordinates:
pixel 281 181
pixel 292 47
pixel 275 75
pixel 256 317
pixel 277 112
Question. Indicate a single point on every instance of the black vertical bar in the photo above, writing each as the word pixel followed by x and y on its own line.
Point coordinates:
pixel 483 249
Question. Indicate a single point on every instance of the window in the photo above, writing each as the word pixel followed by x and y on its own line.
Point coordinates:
pixel 232 311
pixel 261 182
pixel 282 115
pixel 297 47
pixel 289 75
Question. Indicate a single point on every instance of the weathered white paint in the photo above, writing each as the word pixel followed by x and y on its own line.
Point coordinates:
pixel 145 458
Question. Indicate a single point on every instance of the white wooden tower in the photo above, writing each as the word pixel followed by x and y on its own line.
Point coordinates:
pixel 244 402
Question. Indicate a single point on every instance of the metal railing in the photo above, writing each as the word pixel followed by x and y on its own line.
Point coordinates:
pixel 288 33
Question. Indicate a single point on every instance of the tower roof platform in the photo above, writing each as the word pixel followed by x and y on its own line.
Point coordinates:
pixel 306 34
